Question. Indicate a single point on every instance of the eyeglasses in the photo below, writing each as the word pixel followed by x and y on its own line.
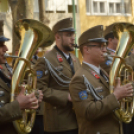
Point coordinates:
pixel 70 34
pixel 102 47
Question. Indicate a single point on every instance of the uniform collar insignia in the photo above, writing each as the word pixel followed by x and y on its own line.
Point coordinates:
pixel 1 67
pixel 59 57
pixel 95 74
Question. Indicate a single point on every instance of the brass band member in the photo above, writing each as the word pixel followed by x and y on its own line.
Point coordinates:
pixel 111 48
pixel 38 127
pixel 54 73
pixel 10 111
pixel 89 88
pixel 112 43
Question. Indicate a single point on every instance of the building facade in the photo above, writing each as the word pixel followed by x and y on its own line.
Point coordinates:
pixel 105 12
pixel 55 10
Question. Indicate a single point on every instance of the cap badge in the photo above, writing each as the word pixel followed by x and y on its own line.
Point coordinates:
pixel 95 75
pixel 59 58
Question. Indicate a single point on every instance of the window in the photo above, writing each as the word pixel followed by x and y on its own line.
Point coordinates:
pixel 56 6
pixel 108 7
pixel 50 6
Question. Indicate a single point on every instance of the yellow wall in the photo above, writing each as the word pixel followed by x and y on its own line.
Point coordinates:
pixel 87 21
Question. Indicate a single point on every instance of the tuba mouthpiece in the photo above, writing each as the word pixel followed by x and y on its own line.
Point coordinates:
pixel 11 56
pixel 6 55
pixel 108 56
pixel 105 54
pixel 75 45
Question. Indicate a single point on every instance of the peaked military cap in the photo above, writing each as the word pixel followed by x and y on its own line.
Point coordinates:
pixel 109 29
pixel 94 34
pixel 65 25
pixel 2 37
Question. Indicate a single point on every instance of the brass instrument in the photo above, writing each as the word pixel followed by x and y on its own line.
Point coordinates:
pixel 125 33
pixel 33 34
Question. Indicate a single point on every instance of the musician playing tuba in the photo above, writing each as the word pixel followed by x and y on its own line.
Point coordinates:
pixel 54 72
pixel 112 43
pixel 11 111
pixel 93 104
pixel 111 47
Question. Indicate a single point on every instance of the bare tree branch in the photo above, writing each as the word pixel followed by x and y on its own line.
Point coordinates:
pixel 42 16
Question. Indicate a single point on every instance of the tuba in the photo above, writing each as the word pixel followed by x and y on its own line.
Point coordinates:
pixel 33 34
pixel 125 33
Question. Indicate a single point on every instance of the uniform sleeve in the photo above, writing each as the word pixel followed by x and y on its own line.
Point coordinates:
pixel 87 107
pixel 51 95
pixel 130 60
pixel 10 112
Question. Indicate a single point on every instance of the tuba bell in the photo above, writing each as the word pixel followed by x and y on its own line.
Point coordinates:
pixel 125 33
pixel 33 34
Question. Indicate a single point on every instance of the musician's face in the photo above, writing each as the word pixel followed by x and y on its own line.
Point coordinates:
pixel 67 41
pixel 3 49
pixel 96 52
pixel 115 43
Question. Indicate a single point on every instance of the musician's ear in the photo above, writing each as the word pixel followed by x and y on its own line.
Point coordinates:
pixel 85 49
pixel 57 36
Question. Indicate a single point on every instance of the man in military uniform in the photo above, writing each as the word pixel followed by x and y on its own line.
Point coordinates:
pixel 89 88
pixel 11 111
pixel 111 48
pixel 54 73
pixel 38 124
pixel 112 43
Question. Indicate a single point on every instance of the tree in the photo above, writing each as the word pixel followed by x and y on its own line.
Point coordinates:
pixel 42 16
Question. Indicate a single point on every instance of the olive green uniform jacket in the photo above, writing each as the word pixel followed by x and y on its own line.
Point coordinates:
pixel 58 115
pixel 93 117
pixel 130 60
pixel 8 111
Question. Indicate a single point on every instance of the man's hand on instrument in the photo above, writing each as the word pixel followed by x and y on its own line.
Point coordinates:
pixel 123 91
pixel 27 102
pixel 39 95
